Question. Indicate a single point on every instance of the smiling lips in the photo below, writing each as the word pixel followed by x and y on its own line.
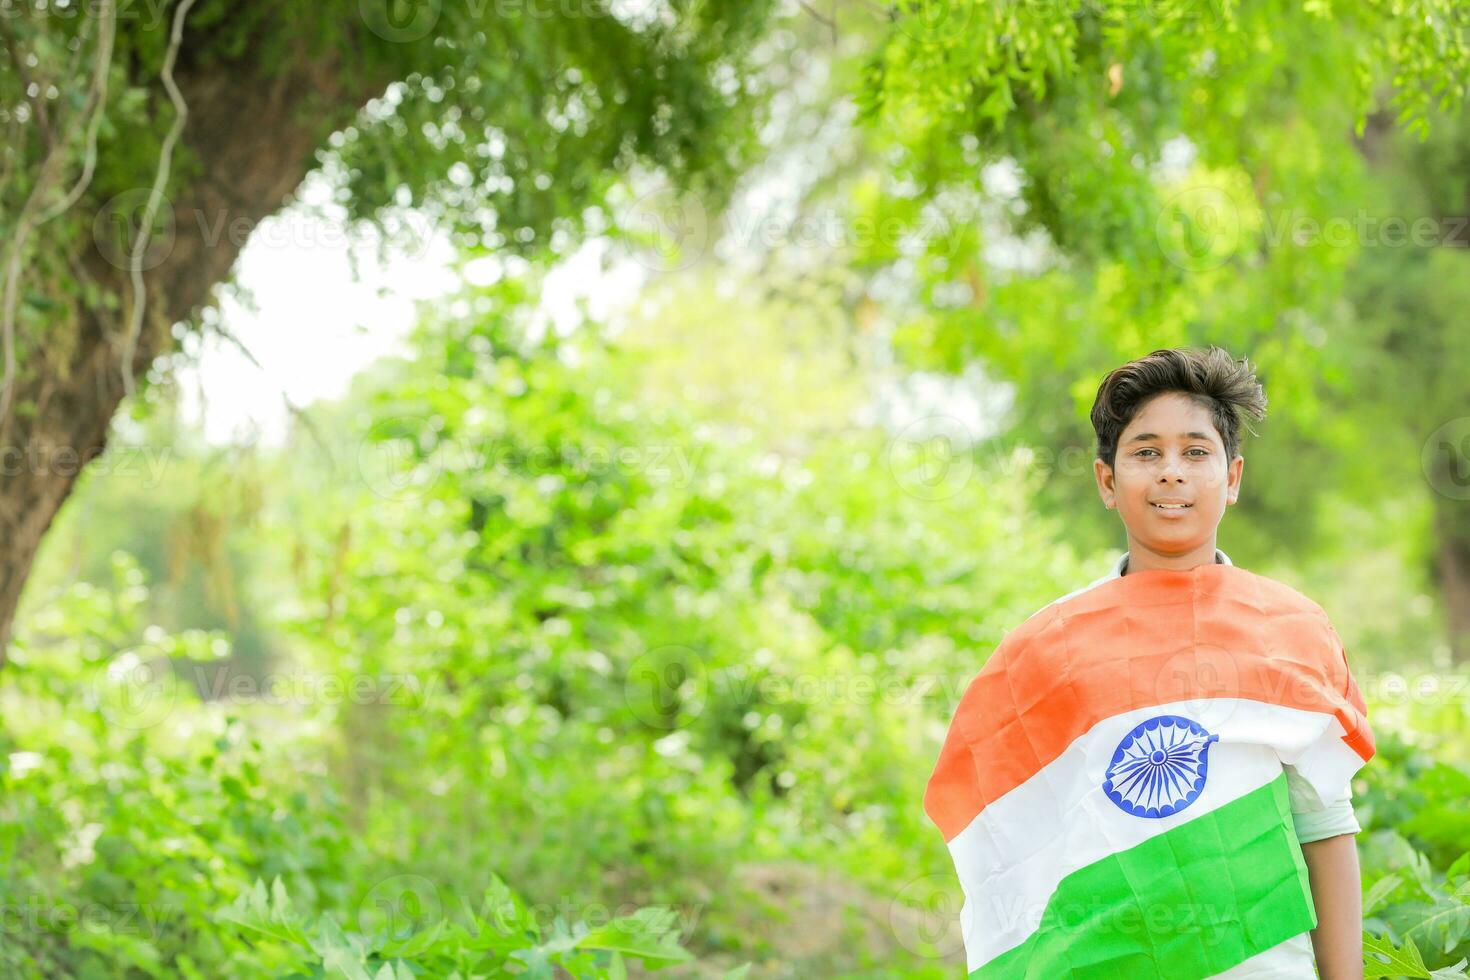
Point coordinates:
pixel 1170 506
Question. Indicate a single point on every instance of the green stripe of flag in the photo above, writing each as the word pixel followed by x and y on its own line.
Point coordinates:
pixel 1190 902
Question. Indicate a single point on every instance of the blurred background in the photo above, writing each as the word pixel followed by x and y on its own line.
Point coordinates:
pixel 514 488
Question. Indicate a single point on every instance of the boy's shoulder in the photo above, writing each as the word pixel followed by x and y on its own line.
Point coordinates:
pixel 1284 596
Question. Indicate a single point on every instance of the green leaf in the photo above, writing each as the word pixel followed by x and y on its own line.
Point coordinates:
pixel 651 934
pixel 268 913
pixel 417 944
pixel 1380 890
pixel 1396 962
pixel 1452 917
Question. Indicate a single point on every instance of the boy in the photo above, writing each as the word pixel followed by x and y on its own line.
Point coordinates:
pixel 1150 777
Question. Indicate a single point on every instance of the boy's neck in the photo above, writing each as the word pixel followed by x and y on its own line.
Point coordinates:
pixel 1142 559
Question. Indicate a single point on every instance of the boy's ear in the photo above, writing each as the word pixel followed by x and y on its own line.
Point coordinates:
pixel 1232 488
pixel 1105 489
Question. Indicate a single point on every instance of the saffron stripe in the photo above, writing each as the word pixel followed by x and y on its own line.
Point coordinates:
pixel 1187 904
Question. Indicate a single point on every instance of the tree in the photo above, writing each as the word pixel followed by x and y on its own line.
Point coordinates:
pixel 145 141
pixel 1121 175
pixel 1409 289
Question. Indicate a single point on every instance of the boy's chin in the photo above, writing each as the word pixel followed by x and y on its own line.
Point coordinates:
pixel 1167 537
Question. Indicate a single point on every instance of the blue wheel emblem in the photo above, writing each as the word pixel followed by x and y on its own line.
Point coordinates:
pixel 1159 768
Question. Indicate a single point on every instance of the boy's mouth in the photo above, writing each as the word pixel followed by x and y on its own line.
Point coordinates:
pixel 1170 506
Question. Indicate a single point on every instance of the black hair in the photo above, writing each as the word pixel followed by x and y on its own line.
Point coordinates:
pixel 1227 387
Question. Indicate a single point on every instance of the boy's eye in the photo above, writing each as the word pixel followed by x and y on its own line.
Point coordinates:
pixel 1196 449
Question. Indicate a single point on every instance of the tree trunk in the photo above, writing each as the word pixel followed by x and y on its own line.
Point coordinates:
pixel 1452 569
pixel 254 135
pixel 1450 477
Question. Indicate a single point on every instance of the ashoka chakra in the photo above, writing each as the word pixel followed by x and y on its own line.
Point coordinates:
pixel 1159 768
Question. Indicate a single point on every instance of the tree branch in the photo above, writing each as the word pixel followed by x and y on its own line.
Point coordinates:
pixel 155 195
pixel 92 111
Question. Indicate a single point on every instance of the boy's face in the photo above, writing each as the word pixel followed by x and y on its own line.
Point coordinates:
pixel 1170 452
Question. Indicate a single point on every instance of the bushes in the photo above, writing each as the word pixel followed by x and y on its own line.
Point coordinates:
pixel 1415 849
pixel 502 937
pixel 658 652
pixel 131 809
pixel 137 824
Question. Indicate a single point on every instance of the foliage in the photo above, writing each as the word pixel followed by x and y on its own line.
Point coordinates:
pixel 121 833
pixel 610 654
pixel 494 944
pixel 1415 852
pixel 591 583
pixel 1118 177
pixel 508 132
pixel 137 832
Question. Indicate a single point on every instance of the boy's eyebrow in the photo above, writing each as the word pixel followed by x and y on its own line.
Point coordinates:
pixel 1143 436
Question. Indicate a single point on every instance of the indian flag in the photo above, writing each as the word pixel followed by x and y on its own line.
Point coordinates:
pixel 1111 786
